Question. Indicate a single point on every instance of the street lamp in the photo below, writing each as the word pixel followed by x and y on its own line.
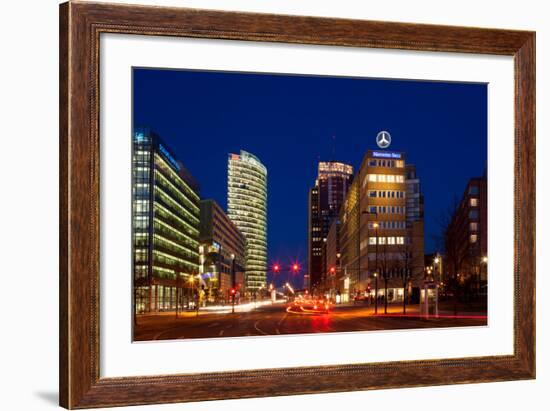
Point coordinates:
pixel 376 293
pixel 484 261
pixel 191 281
pixel 375 225
pixel 233 290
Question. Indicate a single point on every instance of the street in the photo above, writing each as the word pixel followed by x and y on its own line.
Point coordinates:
pixel 275 320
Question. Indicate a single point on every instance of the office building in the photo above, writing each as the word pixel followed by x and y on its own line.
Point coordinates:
pixel 382 233
pixel 466 236
pixel 222 252
pixel 165 213
pixel 325 200
pixel 247 208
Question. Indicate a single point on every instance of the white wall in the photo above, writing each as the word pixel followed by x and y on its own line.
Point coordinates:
pixel 28 169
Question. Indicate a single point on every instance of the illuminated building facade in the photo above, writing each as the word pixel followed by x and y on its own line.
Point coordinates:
pixel 221 250
pixel 165 214
pixel 381 232
pixel 466 236
pixel 325 199
pixel 247 208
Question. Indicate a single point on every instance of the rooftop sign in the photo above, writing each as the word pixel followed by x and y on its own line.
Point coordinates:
pixel 383 139
pixel 169 157
pixel 385 154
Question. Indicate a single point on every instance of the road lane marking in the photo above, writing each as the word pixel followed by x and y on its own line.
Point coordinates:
pixel 258 329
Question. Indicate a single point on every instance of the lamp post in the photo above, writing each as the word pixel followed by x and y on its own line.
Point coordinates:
pixel 375 226
pixel 177 292
pixel 233 290
pixel 376 293
pixel 191 282
pixel 484 261
pixel 385 289
pixel 336 282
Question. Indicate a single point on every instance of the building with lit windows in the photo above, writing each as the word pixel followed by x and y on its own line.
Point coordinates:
pixel 466 236
pixel 221 252
pixel 325 199
pixel 247 208
pixel 165 214
pixel 381 233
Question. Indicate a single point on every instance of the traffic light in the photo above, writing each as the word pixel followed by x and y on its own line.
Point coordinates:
pixel 276 268
pixel 233 291
pixel 295 267
pixel 332 270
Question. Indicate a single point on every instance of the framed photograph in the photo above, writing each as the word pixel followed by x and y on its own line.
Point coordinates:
pixel 254 203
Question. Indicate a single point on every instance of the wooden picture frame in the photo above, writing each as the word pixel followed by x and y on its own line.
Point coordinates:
pixel 80 27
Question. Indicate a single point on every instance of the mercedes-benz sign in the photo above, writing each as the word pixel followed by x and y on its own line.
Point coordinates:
pixel 383 139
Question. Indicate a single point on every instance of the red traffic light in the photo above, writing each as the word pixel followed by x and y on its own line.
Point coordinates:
pixel 295 267
pixel 332 270
pixel 276 268
pixel 233 291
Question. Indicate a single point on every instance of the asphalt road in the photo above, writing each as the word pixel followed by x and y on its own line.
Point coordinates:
pixel 275 320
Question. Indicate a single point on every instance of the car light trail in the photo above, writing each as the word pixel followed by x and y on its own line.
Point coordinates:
pixel 222 309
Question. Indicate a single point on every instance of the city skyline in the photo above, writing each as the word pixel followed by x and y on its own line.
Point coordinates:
pixel 287 197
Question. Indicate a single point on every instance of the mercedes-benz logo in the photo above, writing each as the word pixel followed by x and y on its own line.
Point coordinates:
pixel 383 139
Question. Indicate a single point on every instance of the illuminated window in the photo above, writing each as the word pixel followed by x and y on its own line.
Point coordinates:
pixel 473 226
pixel 400 240
pixel 473 238
pixel 372 240
pixel 390 178
pixel 381 240
pixel 399 163
pixel 391 240
pixel 381 178
pixel 371 177
pixel 473 202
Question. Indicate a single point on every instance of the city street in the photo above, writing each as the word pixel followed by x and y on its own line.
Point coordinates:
pixel 275 320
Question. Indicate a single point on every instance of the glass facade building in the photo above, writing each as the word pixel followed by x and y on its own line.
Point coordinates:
pixel 165 213
pixel 247 208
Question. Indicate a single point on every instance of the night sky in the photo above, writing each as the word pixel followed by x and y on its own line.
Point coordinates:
pixel 291 122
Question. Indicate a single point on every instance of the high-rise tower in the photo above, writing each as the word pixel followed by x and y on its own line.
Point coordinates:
pixel 247 208
pixel 325 199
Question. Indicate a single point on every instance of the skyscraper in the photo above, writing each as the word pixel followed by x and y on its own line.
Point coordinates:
pixel 325 199
pixel 247 208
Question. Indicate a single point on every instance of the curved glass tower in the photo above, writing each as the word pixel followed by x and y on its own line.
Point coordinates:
pixel 247 208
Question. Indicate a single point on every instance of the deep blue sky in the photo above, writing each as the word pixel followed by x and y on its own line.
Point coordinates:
pixel 292 122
